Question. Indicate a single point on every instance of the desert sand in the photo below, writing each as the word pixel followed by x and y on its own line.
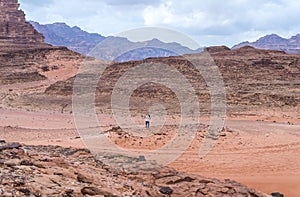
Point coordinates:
pixel 259 148
pixel 262 154
pixel 259 145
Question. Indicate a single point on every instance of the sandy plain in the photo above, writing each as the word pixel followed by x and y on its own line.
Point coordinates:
pixel 261 153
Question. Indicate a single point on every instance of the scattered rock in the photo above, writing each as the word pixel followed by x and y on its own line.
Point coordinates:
pixel 222 134
pixel 83 179
pixel 10 146
pixel 25 191
pixel 142 158
pixel 26 163
pixel 59 176
pixel 277 194
pixel 267 135
pixel 67 193
pixel 58 173
pixel 93 191
pixel 186 179
pixel 166 190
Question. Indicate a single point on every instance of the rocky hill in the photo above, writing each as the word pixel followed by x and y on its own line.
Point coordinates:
pixel 60 34
pixel 56 171
pixel 256 82
pixel 275 42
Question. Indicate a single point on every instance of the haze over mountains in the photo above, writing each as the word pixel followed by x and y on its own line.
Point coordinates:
pixel 60 34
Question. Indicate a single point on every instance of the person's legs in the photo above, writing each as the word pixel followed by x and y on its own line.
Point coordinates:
pixel 147 124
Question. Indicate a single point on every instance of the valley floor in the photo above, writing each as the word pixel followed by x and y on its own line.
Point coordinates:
pixel 263 154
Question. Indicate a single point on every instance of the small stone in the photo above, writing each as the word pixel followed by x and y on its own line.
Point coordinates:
pixel 10 146
pixel 83 179
pixel 67 192
pixel 224 189
pixel 267 135
pixel 38 165
pixel 277 194
pixel 166 190
pixel 223 135
pixel 58 173
pixel 93 191
pixel 142 158
pixel 26 163
pixel 7 194
pixel 12 163
pixel 25 191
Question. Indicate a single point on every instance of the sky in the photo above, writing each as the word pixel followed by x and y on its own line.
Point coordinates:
pixel 208 22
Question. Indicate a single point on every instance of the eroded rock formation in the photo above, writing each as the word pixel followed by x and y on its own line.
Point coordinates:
pixel 15 32
pixel 56 171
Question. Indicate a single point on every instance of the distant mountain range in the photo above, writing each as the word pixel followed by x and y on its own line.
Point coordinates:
pixel 275 42
pixel 111 48
pixel 60 34
pixel 121 49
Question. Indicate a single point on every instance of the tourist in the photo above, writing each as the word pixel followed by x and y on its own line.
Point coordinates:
pixel 147 120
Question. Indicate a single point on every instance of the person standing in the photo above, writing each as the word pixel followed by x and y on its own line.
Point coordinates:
pixel 148 121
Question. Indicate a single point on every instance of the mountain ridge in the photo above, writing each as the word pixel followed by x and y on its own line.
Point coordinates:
pixel 275 42
pixel 60 34
pixel 83 42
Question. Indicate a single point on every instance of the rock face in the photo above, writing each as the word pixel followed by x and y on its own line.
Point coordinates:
pixel 56 171
pixel 36 64
pixel 14 30
pixel 24 56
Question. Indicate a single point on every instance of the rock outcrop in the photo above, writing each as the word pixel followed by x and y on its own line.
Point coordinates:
pixel 24 56
pixel 15 32
pixel 56 171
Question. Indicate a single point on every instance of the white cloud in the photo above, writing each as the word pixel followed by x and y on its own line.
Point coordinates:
pixel 211 22
pixel 228 19
pixel 131 2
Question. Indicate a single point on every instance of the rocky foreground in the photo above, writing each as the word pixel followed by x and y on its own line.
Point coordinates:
pixel 57 171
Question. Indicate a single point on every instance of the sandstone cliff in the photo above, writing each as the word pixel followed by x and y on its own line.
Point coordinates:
pixel 15 32
pixel 24 56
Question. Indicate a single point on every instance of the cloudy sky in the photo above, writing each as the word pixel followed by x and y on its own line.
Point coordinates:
pixel 209 22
